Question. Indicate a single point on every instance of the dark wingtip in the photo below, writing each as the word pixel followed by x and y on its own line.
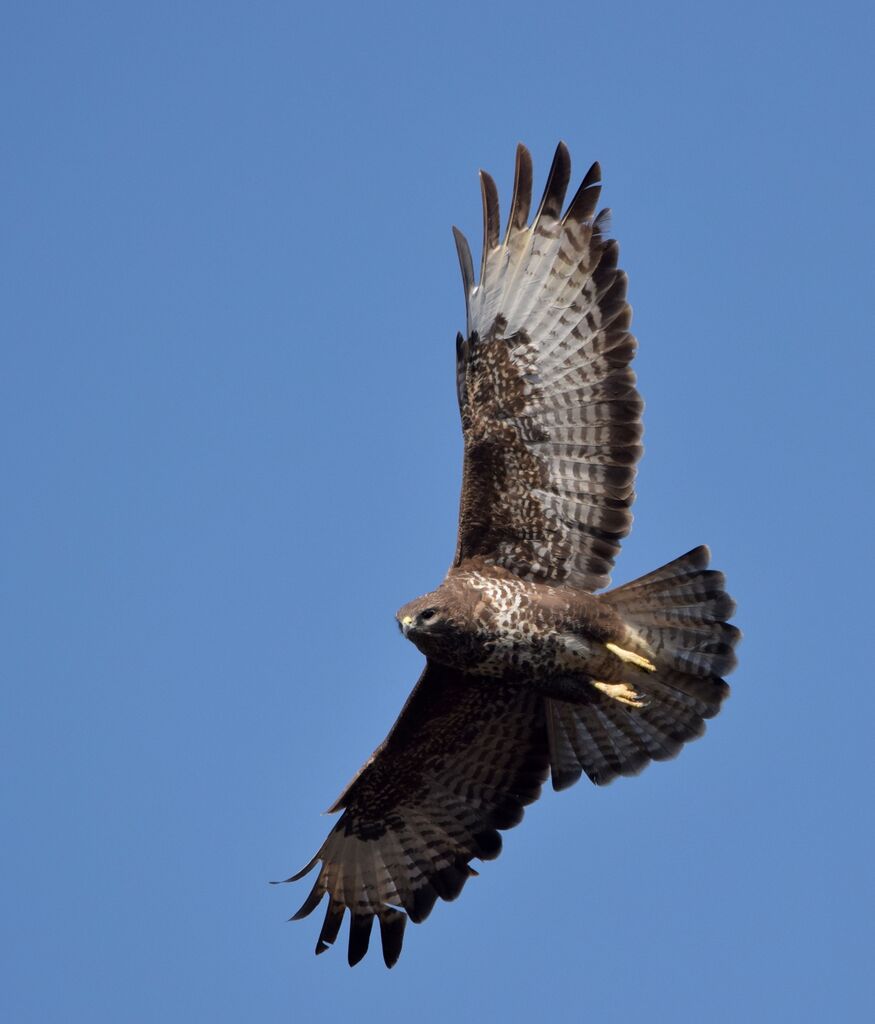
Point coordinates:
pixel 449 881
pixel 310 903
pixel 330 926
pixel 594 175
pixel 702 554
pixel 491 217
pixel 522 191
pixel 466 263
pixel 392 924
pixel 487 844
pixel 424 899
pixel 557 184
pixel 359 937
pixel 300 874
pixel 586 199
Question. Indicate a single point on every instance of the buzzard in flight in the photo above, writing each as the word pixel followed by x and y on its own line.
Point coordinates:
pixel 528 672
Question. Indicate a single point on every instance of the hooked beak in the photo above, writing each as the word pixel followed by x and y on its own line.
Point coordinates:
pixel 405 624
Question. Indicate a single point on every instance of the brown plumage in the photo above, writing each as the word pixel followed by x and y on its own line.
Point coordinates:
pixel 529 674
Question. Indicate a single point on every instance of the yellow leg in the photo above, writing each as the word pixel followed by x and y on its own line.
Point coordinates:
pixel 631 658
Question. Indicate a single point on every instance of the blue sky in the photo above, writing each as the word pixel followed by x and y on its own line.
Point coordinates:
pixel 230 451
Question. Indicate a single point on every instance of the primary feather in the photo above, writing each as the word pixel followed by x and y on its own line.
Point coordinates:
pixel 550 413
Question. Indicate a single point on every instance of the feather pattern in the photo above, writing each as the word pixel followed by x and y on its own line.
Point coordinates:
pixel 461 763
pixel 676 617
pixel 548 401
pixel 528 673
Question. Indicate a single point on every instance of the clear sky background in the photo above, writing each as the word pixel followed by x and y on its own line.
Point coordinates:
pixel 230 451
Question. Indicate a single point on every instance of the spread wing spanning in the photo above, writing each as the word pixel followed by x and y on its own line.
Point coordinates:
pixel 552 425
pixel 463 759
pixel 550 414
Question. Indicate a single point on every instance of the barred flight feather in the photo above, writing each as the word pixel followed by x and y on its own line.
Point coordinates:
pixel 547 350
pixel 676 617
pixel 406 838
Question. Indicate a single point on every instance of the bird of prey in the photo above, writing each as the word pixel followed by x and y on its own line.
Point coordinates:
pixel 529 673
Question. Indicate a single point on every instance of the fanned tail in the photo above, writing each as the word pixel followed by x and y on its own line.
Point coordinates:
pixel 680 613
pixel 676 620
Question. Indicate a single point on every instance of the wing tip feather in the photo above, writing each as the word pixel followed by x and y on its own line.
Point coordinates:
pixel 557 185
pixel 491 217
pixel 299 874
pixel 521 203
pixel 466 264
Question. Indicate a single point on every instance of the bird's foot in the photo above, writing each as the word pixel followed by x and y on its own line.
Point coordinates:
pixel 623 693
pixel 631 658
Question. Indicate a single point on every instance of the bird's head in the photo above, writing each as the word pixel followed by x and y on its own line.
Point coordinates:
pixel 430 622
pixel 423 615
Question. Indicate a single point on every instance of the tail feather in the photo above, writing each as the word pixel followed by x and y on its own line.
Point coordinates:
pixel 676 618
pixel 679 612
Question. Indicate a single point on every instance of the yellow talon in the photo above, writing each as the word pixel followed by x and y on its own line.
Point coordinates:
pixel 631 657
pixel 622 692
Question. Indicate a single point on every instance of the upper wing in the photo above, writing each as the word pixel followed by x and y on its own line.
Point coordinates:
pixel 463 759
pixel 550 414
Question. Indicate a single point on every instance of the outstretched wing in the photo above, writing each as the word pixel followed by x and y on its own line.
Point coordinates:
pixel 463 759
pixel 550 414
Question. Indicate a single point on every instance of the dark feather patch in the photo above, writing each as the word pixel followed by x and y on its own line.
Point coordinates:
pixel 557 183
pixel 466 263
pixel 463 753
pixel 359 936
pixel 583 205
pixel 392 924
pixel 448 882
pixel 522 192
pixel 331 926
pixel 488 844
pixel 424 899
pixel 310 903
pixel 491 216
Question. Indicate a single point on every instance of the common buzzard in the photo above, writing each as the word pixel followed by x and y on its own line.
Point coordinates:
pixel 528 672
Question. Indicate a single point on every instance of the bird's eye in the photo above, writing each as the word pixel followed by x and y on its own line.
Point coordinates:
pixel 428 614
